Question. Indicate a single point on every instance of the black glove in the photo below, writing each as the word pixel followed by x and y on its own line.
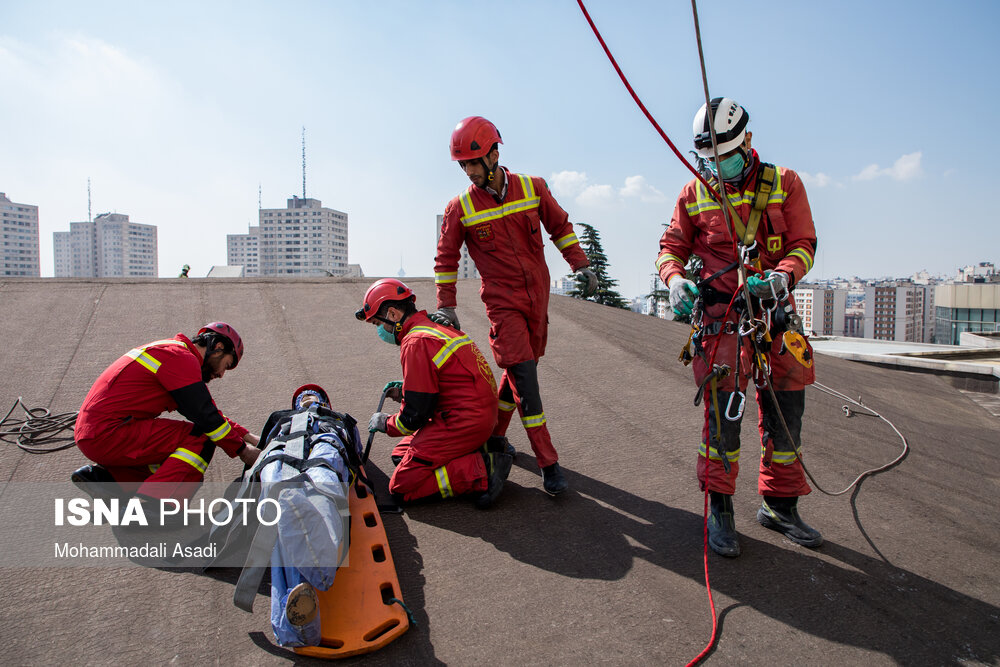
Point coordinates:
pixel 591 278
pixel 445 316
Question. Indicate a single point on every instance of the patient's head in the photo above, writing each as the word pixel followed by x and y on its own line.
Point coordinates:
pixel 309 394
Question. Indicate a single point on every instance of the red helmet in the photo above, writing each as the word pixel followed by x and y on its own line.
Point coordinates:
pixel 387 289
pixel 473 137
pixel 224 329
pixel 309 387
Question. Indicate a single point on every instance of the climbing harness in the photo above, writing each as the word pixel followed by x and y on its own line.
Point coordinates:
pixel 779 317
pixel 40 431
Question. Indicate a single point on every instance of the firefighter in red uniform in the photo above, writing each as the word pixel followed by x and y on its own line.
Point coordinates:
pixel 500 219
pixel 448 404
pixel 785 246
pixel 119 427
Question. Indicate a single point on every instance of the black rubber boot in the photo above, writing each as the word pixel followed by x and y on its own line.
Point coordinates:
pixel 498 467
pixel 722 535
pixel 500 443
pixel 782 515
pixel 96 481
pixel 553 480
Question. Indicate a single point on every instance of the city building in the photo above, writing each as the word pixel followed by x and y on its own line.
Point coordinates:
pixel 822 309
pixel 244 250
pixel 983 272
pixel 466 267
pixel 899 310
pixel 19 254
pixel 961 307
pixel 108 247
pixel 302 239
pixel 563 284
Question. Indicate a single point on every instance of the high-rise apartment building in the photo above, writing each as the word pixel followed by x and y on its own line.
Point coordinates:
pixel 108 247
pixel 19 254
pixel 466 267
pixel 822 310
pixel 244 250
pixel 302 239
pixel 899 310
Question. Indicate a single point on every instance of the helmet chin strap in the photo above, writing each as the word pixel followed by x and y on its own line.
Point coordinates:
pixel 490 171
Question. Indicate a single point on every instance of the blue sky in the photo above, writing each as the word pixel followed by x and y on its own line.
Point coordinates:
pixel 177 112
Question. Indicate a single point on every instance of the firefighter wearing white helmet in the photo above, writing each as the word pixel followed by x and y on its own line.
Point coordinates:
pixel 769 212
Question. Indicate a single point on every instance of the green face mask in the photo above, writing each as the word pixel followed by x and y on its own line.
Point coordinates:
pixel 387 336
pixel 730 168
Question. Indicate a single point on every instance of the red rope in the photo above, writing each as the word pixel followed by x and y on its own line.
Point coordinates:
pixel 721 197
pixel 635 97
pixel 711 602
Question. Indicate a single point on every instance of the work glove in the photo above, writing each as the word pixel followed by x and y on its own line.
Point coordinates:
pixel 591 278
pixel 378 421
pixel 683 292
pixel 393 390
pixel 772 285
pixel 445 316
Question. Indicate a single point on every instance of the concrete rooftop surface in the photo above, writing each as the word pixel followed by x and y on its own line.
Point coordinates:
pixel 609 573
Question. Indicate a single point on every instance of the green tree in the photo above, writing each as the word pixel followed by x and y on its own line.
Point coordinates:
pixel 605 294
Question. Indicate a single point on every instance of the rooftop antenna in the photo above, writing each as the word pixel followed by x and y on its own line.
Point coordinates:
pixel 303 161
pixel 89 219
pixel 258 198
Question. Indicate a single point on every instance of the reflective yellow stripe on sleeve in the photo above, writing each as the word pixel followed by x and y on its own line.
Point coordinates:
pixel 402 427
pixel 220 433
pixel 567 241
pixel 804 255
pixel 191 459
pixel 445 277
pixel 444 484
pixel 667 257
pixel 506 406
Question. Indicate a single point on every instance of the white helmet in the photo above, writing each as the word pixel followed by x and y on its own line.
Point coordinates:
pixel 730 127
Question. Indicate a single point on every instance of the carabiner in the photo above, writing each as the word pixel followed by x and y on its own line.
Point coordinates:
pixel 729 406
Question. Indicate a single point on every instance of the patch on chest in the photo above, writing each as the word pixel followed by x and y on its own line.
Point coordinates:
pixel 774 243
pixel 484 231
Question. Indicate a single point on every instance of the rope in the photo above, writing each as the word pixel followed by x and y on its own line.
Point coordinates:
pixel 409 614
pixel 848 413
pixel 642 106
pixel 38 432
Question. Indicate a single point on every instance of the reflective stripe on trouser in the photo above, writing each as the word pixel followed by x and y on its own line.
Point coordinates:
pixel 131 450
pixel 784 476
pixel 521 383
pixel 443 459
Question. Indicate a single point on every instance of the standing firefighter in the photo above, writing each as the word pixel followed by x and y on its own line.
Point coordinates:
pixel 773 246
pixel 448 404
pixel 120 429
pixel 500 219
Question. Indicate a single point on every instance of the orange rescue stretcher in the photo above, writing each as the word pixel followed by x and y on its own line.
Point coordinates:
pixel 375 615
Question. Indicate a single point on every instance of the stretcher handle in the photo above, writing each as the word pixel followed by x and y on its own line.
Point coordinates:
pixel 371 435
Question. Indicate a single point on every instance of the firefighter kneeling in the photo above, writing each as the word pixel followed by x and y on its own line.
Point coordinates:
pixel 448 404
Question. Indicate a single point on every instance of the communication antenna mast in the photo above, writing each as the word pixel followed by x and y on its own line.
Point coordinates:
pixel 89 219
pixel 258 199
pixel 303 161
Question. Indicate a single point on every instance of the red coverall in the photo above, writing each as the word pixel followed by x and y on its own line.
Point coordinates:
pixel 786 238
pixel 448 411
pixel 119 426
pixel 505 241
